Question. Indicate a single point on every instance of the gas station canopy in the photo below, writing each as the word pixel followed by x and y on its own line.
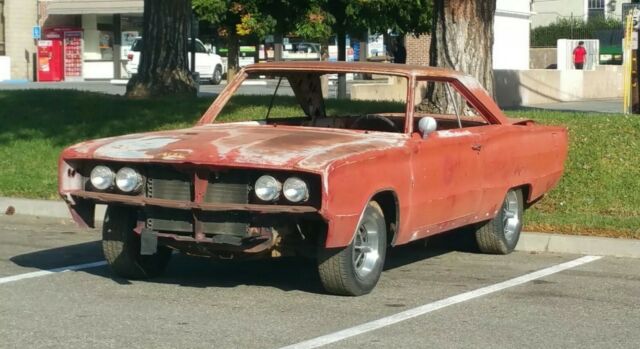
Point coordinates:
pixel 79 7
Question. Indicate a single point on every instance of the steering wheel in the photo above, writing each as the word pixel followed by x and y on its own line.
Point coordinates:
pixel 374 122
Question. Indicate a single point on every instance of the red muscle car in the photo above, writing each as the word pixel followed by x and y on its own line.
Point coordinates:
pixel 416 151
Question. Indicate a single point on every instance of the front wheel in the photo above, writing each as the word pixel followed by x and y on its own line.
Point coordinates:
pixel 501 234
pixel 121 246
pixel 216 79
pixel 355 269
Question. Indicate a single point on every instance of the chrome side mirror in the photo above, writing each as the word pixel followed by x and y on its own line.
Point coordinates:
pixel 427 125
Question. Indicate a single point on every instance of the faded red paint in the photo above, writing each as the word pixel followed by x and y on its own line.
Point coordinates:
pixel 453 178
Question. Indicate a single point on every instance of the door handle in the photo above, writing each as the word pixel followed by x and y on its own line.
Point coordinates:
pixel 476 147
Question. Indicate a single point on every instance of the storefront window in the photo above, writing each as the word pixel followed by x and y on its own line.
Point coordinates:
pixel 131 29
pixel 105 38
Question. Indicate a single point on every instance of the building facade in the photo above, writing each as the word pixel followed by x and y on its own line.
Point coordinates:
pixel 548 11
pixel 103 31
pixel 511 30
pixel 107 30
pixel 19 18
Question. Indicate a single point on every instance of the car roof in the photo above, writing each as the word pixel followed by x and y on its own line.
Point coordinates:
pixel 360 67
pixel 475 90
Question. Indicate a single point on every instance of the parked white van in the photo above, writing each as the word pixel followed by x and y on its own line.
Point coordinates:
pixel 208 64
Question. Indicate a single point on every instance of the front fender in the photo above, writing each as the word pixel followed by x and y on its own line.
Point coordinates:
pixel 349 188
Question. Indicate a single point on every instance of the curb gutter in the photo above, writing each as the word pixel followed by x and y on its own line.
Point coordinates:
pixel 529 242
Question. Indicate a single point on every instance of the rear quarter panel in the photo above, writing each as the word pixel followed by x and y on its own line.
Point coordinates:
pixel 530 156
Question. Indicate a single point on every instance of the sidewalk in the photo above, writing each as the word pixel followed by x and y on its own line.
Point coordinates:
pixel 599 106
pixel 529 242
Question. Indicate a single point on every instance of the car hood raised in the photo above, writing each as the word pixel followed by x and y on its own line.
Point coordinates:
pixel 240 144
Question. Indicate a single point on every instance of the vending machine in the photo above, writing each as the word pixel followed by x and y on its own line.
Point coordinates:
pixel 60 54
pixel 73 55
pixel 49 60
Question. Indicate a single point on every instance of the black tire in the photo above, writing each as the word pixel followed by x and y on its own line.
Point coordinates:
pixel 216 79
pixel 340 273
pixel 500 235
pixel 121 246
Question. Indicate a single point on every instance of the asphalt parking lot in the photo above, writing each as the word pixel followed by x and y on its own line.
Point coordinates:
pixel 427 297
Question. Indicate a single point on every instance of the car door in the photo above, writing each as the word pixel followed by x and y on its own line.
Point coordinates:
pixel 447 166
pixel 447 178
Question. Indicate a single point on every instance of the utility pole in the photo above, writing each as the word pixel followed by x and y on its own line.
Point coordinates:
pixel 631 102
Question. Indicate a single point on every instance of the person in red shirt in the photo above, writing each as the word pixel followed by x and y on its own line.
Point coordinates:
pixel 579 55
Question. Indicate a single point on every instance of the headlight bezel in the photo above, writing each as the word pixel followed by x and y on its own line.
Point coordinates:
pixel 131 173
pixel 109 180
pixel 89 168
pixel 271 182
pixel 312 182
pixel 291 183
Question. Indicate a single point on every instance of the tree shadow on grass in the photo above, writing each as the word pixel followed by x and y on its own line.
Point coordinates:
pixel 64 117
pixel 286 274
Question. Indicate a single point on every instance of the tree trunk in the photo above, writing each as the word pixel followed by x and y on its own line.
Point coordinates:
pixel 462 40
pixel 163 68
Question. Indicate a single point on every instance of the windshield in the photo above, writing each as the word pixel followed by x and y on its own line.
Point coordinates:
pixel 371 103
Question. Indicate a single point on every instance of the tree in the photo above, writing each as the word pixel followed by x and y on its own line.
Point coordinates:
pixel 462 39
pixel 235 19
pixel 257 18
pixel 163 67
pixel 360 16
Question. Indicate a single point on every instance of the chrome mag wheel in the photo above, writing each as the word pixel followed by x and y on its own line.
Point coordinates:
pixel 366 252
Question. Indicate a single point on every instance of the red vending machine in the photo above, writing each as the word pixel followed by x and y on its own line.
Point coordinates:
pixel 50 66
pixel 60 54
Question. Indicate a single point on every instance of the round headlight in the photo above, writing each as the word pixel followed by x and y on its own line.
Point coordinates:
pixel 102 177
pixel 268 188
pixel 128 180
pixel 295 190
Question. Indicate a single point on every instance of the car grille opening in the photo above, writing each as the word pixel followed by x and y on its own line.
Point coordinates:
pixel 230 187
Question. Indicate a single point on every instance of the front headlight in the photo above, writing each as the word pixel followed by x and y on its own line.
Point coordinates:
pixel 268 188
pixel 102 177
pixel 128 180
pixel 296 190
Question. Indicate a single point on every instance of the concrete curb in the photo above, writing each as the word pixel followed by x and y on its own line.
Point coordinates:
pixel 529 242
pixel 592 245
pixel 42 208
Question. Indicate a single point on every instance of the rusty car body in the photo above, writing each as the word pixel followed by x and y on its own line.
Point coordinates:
pixel 367 186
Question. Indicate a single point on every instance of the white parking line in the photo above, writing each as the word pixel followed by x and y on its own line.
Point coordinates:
pixel 428 308
pixel 40 273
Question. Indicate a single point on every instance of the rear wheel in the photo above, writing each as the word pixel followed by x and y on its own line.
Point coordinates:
pixel 501 234
pixel 216 79
pixel 121 246
pixel 355 269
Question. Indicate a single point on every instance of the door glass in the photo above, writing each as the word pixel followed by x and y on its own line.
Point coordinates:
pixel 442 101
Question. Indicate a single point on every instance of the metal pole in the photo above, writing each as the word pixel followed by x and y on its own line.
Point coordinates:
pixel 192 43
pixel 117 46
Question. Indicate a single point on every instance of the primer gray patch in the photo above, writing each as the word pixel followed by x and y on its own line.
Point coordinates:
pixel 136 148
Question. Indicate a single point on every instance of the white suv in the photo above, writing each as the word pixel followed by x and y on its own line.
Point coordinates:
pixel 208 65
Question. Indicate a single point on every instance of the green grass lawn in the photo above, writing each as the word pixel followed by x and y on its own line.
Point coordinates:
pixel 599 194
